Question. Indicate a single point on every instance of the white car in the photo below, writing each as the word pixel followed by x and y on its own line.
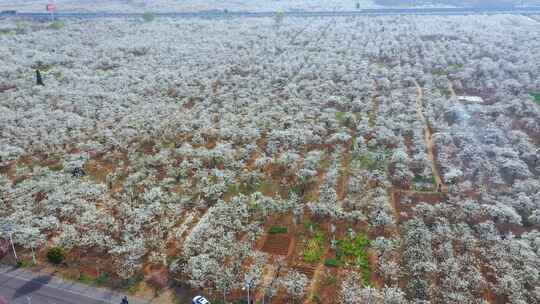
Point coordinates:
pixel 200 300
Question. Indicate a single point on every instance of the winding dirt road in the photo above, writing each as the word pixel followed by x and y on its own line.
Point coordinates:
pixel 427 133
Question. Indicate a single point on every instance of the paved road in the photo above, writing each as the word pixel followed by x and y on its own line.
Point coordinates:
pixel 364 12
pixel 20 286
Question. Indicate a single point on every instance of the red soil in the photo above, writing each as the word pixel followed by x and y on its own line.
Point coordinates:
pixel 277 244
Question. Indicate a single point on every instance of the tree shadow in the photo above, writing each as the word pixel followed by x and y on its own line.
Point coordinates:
pixel 31 286
pixel 183 293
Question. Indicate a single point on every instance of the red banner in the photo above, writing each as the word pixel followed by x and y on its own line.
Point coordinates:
pixel 51 7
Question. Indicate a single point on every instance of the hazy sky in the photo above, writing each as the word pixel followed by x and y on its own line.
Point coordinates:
pixel 239 5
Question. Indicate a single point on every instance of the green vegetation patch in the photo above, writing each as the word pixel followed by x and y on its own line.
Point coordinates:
pixel 311 225
pixel 148 16
pixel 267 187
pixel 332 262
pixel 102 279
pixel 536 97
pixel 57 167
pixel 86 279
pixel 421 183
pixel 314 248
pixel 296 189
pixel 340 116
pixel 132 284
pixel 233 190
pixel 55 255
pixel 242 188
pixel 7 32
pixel 99 281
pixel 330 280
pixel 367 161
pixel 345 118
pixel 23 263
pixel 373 160
pixel 277 230
pixel 43 68
pixel 57 25
pixel 354 252
pixel 439 72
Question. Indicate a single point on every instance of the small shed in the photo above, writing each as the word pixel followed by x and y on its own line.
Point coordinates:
pixel 475 99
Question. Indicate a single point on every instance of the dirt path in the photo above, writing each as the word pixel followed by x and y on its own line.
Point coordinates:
pixel 394 208
pixel 313 286
pixel 177 242
pixel 343 179
pixel 267 278
pixel 427 133
pixel 375 107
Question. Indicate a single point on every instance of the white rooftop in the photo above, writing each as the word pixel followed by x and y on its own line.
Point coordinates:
pixel 470 98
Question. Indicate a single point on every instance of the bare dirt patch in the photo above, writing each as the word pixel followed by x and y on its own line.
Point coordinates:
pixel 277 244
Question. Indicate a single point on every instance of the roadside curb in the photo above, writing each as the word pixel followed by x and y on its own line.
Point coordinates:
pixel 48 279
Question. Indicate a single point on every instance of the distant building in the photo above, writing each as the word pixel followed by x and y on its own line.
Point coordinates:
pixel 9 13
pixel 477 99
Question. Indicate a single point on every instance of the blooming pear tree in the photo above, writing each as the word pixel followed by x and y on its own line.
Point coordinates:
pixel 176 144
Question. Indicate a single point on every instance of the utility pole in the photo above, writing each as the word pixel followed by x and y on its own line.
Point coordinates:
pixel 13 246
pixel 248 286
pixel 8 229
pixel 51 8
pixel 33 255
